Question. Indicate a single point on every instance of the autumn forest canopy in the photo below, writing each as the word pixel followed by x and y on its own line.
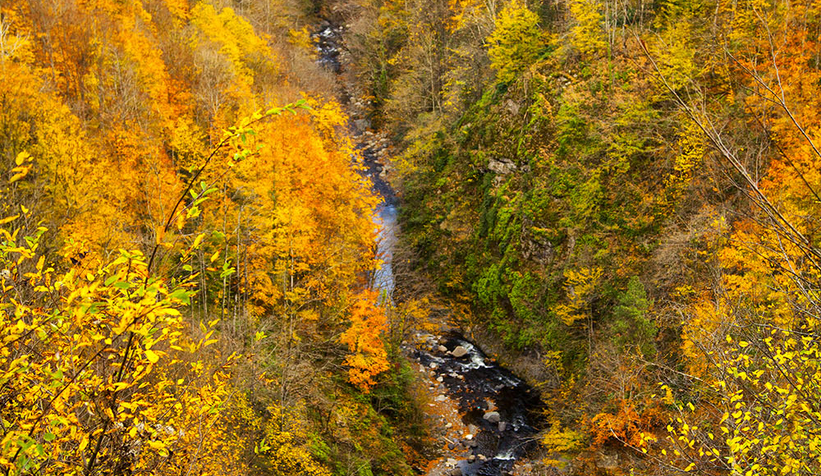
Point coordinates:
pixel 618 200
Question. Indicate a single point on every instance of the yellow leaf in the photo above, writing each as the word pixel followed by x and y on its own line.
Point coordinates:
pixel 152 356
pixel 21 157
pixel 156 445
pixel 3 221
pixel 21 172
pixel 197 241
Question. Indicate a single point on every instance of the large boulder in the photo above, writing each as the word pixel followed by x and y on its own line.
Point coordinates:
pixel 459 351
pixel 493 417
pixel 501 166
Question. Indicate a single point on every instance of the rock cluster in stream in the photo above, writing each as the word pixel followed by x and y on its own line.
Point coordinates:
pixel 484 413
pixel 375 148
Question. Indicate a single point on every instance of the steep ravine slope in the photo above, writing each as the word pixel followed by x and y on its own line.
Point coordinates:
pixel 483 417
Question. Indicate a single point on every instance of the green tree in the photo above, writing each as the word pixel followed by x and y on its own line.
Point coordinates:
pixel 632 326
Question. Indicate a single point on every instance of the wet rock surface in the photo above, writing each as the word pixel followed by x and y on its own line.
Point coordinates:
pixel 496 412
pixel 328 42
pixel 374 147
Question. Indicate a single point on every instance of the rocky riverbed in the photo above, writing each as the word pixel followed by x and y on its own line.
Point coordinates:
pixel 480 414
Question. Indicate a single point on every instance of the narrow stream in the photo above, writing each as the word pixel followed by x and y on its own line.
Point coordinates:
pixel 496 408
pixel 386 221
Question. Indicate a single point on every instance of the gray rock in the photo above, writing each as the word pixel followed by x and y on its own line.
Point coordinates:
pixel 607 461
pixel 442 348
pixel 451 462
pixel 471 458
pixel 492 417
pixel 362 124
pixel 502 426
pixel 502 166
pixel 441 398
pixel 459 351
pixel 512 106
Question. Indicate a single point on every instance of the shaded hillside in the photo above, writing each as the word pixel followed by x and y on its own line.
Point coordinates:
pixel 621 192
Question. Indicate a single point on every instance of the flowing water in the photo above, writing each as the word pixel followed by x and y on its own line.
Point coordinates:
pixel 328 42
pixel 494 409
pixel 497 407
pixel 386 221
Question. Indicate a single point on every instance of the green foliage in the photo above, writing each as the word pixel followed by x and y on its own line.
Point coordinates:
pixel 524 295
pixel 632 326
pixel 575 173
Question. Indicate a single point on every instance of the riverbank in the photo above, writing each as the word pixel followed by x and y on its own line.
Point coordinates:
pixel 481 417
